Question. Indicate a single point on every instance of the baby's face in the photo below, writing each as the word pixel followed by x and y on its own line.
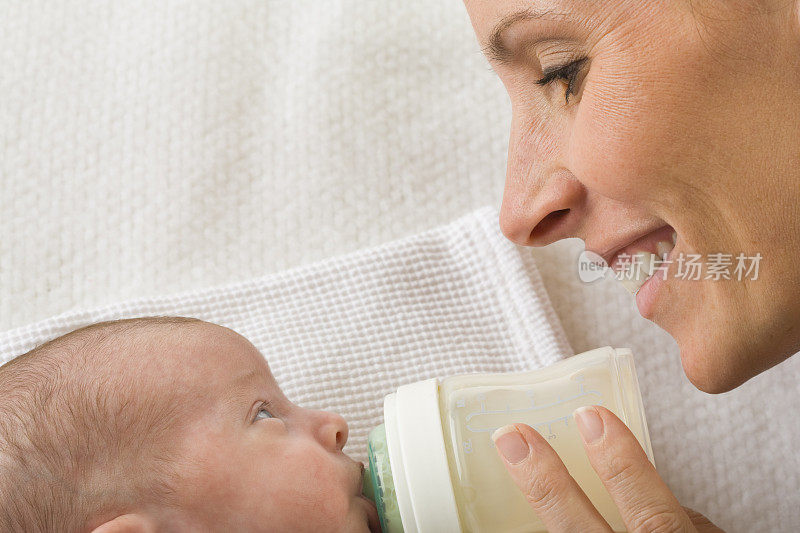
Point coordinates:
pixel 254 460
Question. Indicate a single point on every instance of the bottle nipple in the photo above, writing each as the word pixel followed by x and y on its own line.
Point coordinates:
pixel 378 482
pixel 367 487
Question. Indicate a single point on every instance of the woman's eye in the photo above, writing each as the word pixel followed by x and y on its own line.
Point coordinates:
pixel 263 413
pixel 568 73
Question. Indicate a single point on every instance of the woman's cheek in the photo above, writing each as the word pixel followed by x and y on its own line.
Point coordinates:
pixel 610 150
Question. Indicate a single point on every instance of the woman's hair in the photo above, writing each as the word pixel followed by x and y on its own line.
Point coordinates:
pixel 77 442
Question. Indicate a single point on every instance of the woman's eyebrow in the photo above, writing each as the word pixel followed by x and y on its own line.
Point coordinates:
pixel 495 49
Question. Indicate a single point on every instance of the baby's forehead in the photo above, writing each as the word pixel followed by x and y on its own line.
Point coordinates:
pixel 208 355
pixel 211 373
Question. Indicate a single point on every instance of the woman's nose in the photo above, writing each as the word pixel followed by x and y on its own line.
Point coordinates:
pixel 539 212
pixel 331 430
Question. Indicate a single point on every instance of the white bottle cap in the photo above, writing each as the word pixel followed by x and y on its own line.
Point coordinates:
pixel 418 457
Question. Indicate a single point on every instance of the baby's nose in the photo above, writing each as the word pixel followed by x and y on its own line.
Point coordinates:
pixel 332 430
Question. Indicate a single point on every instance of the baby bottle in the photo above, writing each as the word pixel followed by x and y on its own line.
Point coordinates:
pixel 433 467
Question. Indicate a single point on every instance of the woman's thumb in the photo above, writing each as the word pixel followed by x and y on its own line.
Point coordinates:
pixel 511 444
pixel 541 476
pixel 536 469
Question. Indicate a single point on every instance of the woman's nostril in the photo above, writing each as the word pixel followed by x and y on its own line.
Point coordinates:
pixel 547 224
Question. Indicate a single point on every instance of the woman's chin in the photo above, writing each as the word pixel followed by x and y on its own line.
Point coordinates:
pixel 710 364
pixel 707 380
pixel 713 349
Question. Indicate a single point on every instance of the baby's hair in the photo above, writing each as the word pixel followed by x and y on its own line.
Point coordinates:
pixel 75 441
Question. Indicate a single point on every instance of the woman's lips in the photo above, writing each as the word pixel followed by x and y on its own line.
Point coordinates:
pixel 637 262
pixel 646 295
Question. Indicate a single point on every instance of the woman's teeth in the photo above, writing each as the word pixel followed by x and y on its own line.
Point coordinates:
pixel 663 248
pixel 642 264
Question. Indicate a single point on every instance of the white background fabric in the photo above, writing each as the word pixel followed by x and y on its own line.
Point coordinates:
pixel 148 148
pixel 341 334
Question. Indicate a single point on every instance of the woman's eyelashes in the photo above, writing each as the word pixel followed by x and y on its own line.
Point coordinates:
pixel 568 73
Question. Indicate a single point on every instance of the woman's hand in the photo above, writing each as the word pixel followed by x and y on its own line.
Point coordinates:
pixel 642 497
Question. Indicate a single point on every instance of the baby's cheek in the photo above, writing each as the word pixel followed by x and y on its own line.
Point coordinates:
pixel 319 492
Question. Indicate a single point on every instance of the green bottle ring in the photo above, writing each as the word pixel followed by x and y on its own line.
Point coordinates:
pixel 381 482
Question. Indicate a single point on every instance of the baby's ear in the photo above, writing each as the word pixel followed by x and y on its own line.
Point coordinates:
pixel 127 523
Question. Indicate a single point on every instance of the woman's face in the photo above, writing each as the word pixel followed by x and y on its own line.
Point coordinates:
pixel 678 116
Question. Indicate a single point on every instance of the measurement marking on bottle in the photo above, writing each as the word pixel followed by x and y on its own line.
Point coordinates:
pixel 468 446
pixel 486 421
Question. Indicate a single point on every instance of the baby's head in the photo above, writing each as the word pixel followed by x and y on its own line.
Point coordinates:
pixel 166 424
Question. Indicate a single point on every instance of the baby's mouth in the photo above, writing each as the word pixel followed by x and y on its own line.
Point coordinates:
pixel 373 521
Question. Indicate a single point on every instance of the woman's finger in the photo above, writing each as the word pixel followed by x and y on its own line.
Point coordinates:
pixel 702 523
pixel 643 499
pixel 540 474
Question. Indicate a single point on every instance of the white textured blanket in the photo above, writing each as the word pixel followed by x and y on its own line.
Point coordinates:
pixel 343 333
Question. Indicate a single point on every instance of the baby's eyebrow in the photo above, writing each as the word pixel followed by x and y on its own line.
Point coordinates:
pixel 246 379
pixel 237 386
pixel 240 393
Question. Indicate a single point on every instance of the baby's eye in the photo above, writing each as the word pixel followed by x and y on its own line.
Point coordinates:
pixel 263 413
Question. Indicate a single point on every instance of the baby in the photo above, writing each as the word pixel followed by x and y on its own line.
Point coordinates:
pixel 167 424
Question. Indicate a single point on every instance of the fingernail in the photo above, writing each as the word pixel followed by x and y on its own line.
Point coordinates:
pixel 510 444
pixel 589 423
